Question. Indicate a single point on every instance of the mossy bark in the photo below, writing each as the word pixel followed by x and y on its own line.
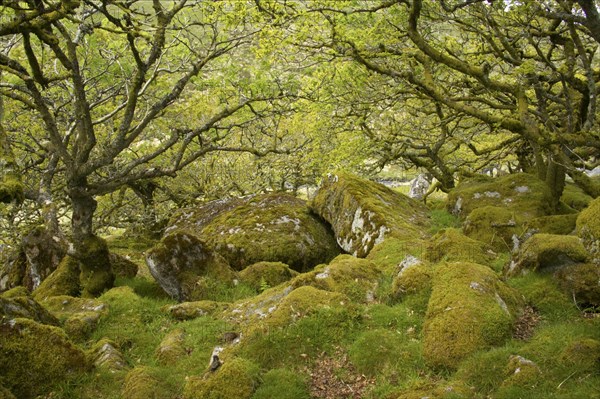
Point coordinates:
pixel 11 186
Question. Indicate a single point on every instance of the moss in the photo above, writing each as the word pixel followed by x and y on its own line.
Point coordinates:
pixel 6 394
pixel 15 292
pixel 388 255
pixel 81 325
pixel 266 274
pixel 11 188
pixel 588 228
pixel 105 355
pixel 140 383
pixel 547 252
pixel 363 213
pixel 25 307
pixel 12 269
pixel 274 228
pixel 485 370
pixel 192 310
pixel 96 272
pixel 494 226
pixel 451 245
pixel 524 193
pixel 122 266
pixel 435 389
pixel 581 282
pixel 522 372
pixel 282 384
pixel 63 281
pixel 34 357
pixel 236 378
pixel 172 348
pixel 554 224
pixel 575 197
pixel 413 277
pixel 470 309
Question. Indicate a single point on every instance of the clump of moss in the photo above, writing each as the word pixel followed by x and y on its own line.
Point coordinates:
pixel 105 354
pixel 282 384
pixel 262 275
pixel 575 197
pixel 451 245
pixel 96 272
pixel 547 252
pixel 11 186
pixel 172 347
pixel 413 276
pixel 140 383
pixel 15 292
pixel 470 309
pixel 236 378
pixel 192 310
pixel 34 357
pixel 364 213
pixel 12 307
pixel 392 251
pixel 63 281
pixel 521 372
pixel 494 225
pixel 122 266
pixel 588 228
pixel 582 282
pixel 79 316
pixel 553 224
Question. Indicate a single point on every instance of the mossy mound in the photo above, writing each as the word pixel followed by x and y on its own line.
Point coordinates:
pixel 192 310
pixel 525 194
pixel 582 282
pixel 521 372
pixel 282 384
pixel 12 307
pixel 355 277
pixel 588 228
pixel 236 378
pixel 262 275
pixel 273 227
pixel 96 270
pixel 172 348
pixel 123 267
pixel 181 260
pixel 583 353
pixel 63 281
pixel 413 276
pixel 34 357
pixel 140 383
pixel 79 316
pixel 450 245
pixel 364 213
pixel 575 197
pixel 553 224
pixel 495 226
pixel 470 309
pixel 105 355
pixel 391 252
pixel 435 389
pixel 547 252
pixel 249 311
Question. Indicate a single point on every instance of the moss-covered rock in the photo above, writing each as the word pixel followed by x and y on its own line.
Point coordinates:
pixel 63 281
pixel 391 252
pixel 140 383
pixel 521 372
pixel 181 260
pixel 588 228
pixel 94 263
pixel 12 307
pixel 470 309
pixel 450 245
pixel 236 378
pixel 79 316
pixel 34 357
pixel 12 268
pixel 363 213
pixel 575 197
pixel 43 252
pixel 413 276
pixel 547 252
pixel 192 310
pixel 262 275
pixel 282 384
pixel 172 348
pixel 553 224
pixel 495 226
pixel 525 194
pixel 581 282
pixel 122 266
pixel 105 355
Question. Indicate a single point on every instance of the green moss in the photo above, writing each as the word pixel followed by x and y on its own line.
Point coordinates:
pixel 554 224
pixel 494 226
pixel 442 219
pixel 583 353
pixel 11 188
pixel 96 273
pixel 34 357
pixel 414 277
pixel 388 255
pixel 192 310
pixel 470 309
pixel 588 228
pixel 485 370
pixel 236 378
pixel 122 266
pixel 282 384
pixel 363 213
pixel 25 307
pixel 522 372
pixel 575 197
pixel 140 383
pixel 172 348
pixel 547 252
pixel 15 292
pixel 581 282
pixel 105 355
pixel 63 281
pixel 451 245
pixel 6 394
pixel 266 274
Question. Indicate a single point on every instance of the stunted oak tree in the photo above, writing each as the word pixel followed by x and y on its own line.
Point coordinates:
pixel 128 91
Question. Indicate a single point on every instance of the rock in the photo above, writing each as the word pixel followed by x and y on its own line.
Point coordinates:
pixel 39 356
pixel 412 276
pixel 495 226
pixel 553 224
pixel 470 309
pixel 63 281
pixel 575 197
pixel 106 356
pixel 418 187
pixel 172 348
pixel 450 245
pixel 12 268
pixel 263 275
pixel 122 266
pixel 12 307
pixel 521 372
pixel 96 271
pixel 581 282
pixel 547 252
pixel 236 378
pixel 180 261
pixel 192 310
pixel 140 383
pixel 525 194
pixel 79 316
pixel 588 228
pixel 363 213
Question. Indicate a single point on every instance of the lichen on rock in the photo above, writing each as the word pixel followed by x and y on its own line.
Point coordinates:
pixel 363 213
pixel 105 355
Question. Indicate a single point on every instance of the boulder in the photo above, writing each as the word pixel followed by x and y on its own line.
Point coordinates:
pixel 105 355
pixel 547 252
pixel 122 266
pixel 79 316
pixel 412 276
pixel 418 187
pixel 96 271
pixel 521 372
pixel 236 378
pixel 263 275
pixel 12 307
pixel 63 281
pixel 581 282
pixel 450 245
pixel 588 228
pixel 172 348
pixel 363 213
pixel 575 197
pixel 470 309
pixel 34 357
pixel 495 226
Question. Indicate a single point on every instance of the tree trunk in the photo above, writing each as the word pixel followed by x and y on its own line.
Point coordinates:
pixel 555 179
pixel 11 186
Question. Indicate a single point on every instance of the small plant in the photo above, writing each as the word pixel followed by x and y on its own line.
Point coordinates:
pixel 263 285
